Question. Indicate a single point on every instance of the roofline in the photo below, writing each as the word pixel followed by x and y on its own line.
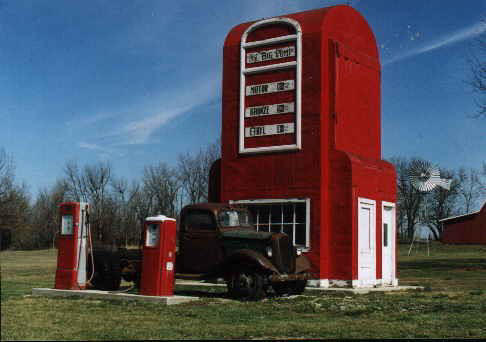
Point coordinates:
pixel 454 217
pixel 464 215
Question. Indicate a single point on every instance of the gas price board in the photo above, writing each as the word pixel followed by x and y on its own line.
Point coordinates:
pixel 270 86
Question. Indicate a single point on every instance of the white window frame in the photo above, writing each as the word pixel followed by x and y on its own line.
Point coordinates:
pixel 307 246
pixel 297 64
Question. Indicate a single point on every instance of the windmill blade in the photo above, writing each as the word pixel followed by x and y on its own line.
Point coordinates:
pixel 423 176
pixel 444 183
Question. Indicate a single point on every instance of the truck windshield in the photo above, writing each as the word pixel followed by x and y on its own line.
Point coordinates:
pixel 234 218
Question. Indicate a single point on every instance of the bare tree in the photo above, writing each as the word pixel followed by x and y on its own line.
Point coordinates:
pixel 162 185
pixel 45 213
pixel 125 196
pixel 194 172
pixel 471 188
pixel 91 185
pixel 441 203
pixel 6 174
pixel 410 200
pixel 477 62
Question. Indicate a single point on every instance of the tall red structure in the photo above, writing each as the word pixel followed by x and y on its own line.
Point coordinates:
pixel 301 141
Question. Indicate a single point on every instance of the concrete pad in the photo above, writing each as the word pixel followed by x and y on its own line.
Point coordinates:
pixel 365 290
pixel 185 282
pixel 362 290
pixel 96 294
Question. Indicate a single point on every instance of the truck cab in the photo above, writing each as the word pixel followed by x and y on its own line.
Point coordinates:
pixel 218 240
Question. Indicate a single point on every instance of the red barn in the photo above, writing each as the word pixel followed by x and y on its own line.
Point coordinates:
pixel 301 141
pixel 465 229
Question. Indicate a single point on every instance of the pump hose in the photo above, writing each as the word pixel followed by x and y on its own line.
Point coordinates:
pixel 122 291
pixel 79 248
pixel 91 253
pixel 88 227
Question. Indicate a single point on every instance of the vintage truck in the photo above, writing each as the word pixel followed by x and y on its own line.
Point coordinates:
pixel 217 241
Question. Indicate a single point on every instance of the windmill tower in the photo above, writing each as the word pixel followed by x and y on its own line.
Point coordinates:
pixel 425 177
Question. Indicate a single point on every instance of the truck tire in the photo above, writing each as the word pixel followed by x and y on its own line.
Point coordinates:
pixel 246 284
pixel 107 276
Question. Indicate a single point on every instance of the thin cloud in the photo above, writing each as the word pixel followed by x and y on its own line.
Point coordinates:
pixel 180 100
pixel 455 37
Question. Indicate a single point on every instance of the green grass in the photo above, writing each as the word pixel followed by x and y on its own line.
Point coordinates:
pixel 453 305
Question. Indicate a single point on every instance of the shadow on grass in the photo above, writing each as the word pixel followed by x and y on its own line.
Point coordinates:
pixel 444 265
pixel 202 293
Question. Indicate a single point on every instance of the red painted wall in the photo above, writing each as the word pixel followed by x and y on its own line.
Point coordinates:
pixel 340 158
pixel 470 229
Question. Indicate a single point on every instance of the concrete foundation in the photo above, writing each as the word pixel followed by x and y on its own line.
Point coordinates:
pixel 96 294
pixel 365 290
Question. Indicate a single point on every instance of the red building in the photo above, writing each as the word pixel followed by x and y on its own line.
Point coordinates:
pixel 301 141
pixel 465 229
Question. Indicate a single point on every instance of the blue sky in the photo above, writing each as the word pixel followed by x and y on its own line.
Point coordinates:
pixel 138 82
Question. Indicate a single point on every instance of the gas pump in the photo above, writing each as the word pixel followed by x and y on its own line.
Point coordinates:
pixel 158 258
pixel 72 246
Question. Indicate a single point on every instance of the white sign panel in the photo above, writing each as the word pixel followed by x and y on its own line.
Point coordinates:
pixel 259 131
pixel 268 55
pixel 279 108
pixel 267 88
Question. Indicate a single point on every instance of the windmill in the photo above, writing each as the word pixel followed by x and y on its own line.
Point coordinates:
pixel 425 177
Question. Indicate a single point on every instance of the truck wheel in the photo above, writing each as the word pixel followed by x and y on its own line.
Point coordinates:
pixel 295 287
pixel 298 286
pixel 107 274
pixel 246 284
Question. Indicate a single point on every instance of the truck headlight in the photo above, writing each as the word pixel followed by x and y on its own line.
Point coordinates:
pixel 299 251
pixel 268 250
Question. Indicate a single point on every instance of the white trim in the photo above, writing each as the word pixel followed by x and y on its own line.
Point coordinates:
pixel 159 218
pixel 392 239
pixel 269 41
pixel 372 204
pixel 269 67
pixel 320 283
pixel 298 88
pixel 307 248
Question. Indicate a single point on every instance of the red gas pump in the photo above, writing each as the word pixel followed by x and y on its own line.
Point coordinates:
pixel 72 246
pixel 158 260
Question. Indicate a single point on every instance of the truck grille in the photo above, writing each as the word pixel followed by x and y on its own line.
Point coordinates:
pixel 283 253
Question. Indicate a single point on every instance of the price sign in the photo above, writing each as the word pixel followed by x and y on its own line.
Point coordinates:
pixel 268 55
pixel 280 108
pixel 259 131
pixel 267 88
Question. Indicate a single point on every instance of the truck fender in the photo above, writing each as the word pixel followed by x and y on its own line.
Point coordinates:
pixel 302 264
pixel 249 257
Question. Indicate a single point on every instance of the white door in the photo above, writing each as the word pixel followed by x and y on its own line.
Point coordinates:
pixel 388 244
pixel 366 242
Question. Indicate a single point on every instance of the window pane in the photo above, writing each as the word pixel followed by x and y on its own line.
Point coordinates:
pixel 300 212
pixel 300 234
pixel 263 213
pixel 276 228
pixel 152 235
pixel 276 214
pixel 67 225
pixel 385 235
pixel 288 213
pixel 287 229
pixel 200 220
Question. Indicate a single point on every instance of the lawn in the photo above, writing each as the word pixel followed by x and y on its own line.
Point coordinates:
pixel 453 304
